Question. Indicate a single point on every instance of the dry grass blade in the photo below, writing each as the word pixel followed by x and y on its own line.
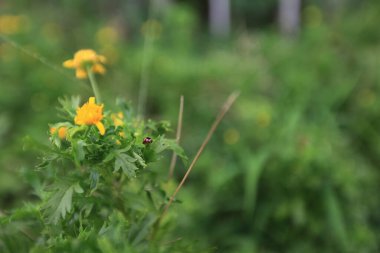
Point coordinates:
pixel 227 105
pixel 178 137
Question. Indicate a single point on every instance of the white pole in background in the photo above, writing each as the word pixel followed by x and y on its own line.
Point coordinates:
pixel 289 16
pixel 219 17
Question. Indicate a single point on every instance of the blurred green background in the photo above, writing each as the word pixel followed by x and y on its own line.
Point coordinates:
pixel 294 166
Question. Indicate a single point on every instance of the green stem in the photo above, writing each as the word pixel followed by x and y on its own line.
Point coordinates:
pixel 94 85
pixel 146 61
pixel 87 131
pixel 144 76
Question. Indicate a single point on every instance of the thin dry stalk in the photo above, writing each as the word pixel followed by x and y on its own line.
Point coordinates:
pixel 227 105
pixel 178 137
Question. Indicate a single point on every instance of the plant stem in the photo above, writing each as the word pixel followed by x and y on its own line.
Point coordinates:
pixel 144 76
pixel 94 85
pixel 226 106
pixel 146 60
pixel 178 137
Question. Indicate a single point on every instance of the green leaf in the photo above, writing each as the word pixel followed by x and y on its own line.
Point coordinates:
pixel 109 157
pixel 68 106
pixel 77 188
pixel 78 150
pixel 144 228
pixel 74 130
pixel 161 144
pixel 60 202
pixel 105 245
pixel 254 167
pixel 335 218
pixel 139 159
pixel 127 164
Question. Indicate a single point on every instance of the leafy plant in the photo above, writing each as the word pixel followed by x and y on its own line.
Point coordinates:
pixel 97 184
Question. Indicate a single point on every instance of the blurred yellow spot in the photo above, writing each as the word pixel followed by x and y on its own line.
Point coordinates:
pixel 107 35
pixel 151 28
pixel 313 15
pixel 11 24
pixel 62 132
pixel 263 119
pixel 231 136
pixel 117 119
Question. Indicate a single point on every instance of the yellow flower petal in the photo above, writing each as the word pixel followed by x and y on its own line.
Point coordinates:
pixel 91 100
pixel 89 114
pixel 97 68
pixel 69 64
pixel 100 127
pixel 52 130
pixel 81 74
pixel 62 132
pixel 117 119
pixel 102 59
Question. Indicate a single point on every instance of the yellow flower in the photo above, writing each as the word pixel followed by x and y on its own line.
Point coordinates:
pixel 231 136
pixel 117 119
pixel 11 24
pixel 62 132
pixel 90 114
pixel 86 58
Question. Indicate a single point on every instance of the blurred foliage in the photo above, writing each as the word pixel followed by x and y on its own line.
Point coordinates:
pixel 294 166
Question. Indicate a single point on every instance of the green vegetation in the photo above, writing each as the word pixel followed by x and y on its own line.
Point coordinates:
pixel 293 167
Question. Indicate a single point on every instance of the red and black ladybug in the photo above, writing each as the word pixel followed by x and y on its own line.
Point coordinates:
pixel 147 140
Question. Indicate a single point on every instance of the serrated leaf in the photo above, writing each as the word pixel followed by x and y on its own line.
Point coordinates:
pixel 47 160
pixel 139 159
pixel 68 106
pixel 127 164
pixel 125 149
pixel 161 144
pixel 113 154
pixel 60 202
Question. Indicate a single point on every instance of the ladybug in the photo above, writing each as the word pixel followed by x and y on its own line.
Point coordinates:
pixel 147 140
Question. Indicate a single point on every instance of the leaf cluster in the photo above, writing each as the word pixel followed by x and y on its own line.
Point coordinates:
pixel 99 193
